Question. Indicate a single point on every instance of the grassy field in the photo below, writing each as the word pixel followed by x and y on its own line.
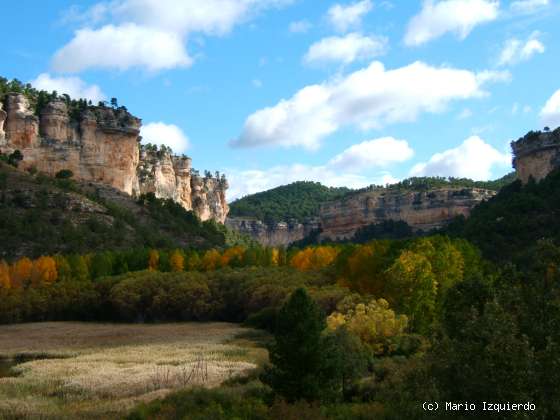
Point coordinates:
pixel 81 370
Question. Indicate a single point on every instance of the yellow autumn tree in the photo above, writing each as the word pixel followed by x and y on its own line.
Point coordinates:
pixel 44 271
pixel 177 261
pixel 20 272
pixel 153 260
pixel 374 323
pixel 211 260
pixel 275 257
pixel 365 269
pixel 5 282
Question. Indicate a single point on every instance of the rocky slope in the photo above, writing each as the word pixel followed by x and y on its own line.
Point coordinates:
pixel 423 211
pixel 102 145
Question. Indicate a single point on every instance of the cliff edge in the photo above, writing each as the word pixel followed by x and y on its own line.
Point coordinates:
pixel 102 144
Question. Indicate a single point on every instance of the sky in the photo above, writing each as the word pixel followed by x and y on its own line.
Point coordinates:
pixel 347 93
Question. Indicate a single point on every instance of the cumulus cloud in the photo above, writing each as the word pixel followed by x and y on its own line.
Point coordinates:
pixel 73 86
pixel 300 27
pixel 344 17
pixel 165 134
pixel 550 114
pixel 449 16
pixel 346 49
pixel 122 47
pixel 473 159
pixel 528 6
pixel 368 98
pixel 516 51
pixel 151 34
pixel 377 153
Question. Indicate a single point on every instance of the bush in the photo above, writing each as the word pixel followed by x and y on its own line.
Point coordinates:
pixel 64 174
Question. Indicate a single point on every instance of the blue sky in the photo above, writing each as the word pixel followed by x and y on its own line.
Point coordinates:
pixel 272 91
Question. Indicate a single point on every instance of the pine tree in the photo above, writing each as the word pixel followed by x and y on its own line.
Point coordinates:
pixel 296 355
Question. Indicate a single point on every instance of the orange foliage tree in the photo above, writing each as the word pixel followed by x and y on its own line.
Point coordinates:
pixel 5 281
pixel 44 271
pixel 153 260
pixel 20 272
pixel 232 257
pixel 211 260
pixel 310 259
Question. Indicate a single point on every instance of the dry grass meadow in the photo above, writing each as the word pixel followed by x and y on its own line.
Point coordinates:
pixel 84 370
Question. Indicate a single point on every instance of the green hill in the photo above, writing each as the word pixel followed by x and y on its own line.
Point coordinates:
pixel 294 201
pixel 42 215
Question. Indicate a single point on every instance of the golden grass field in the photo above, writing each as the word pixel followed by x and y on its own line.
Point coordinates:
pixel 100 371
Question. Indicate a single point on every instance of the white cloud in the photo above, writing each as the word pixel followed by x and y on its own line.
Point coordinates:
pixel 346 49
pixel 550 114
pixel 528 6
pixel 168 134
pixel 516 51
pixel 73 86
pixel 300 27
pixel 473 159
pixel 152 34
pixel 343 18
pixel 456 16
pixel 368 98
pixel 121 47
pixel 377 153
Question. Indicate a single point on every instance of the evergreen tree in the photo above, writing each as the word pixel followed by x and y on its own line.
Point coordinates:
pixel 296 355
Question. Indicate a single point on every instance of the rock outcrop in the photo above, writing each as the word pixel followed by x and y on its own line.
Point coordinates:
pixel 423 211
pixel 536 155
pixel 172 177
pixel 102 145
pixel 277 234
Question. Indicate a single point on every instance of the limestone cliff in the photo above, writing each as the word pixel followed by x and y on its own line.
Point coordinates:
pixel 172 177
pixel 102 145
pixel 423 211
pixel 536 154
pixel 277 234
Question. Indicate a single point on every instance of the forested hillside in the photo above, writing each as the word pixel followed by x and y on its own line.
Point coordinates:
pixel 42 215
pixel 505 227
pixel 294 201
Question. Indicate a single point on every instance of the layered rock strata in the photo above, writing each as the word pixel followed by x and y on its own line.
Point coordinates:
pixel 423 211
pixel 102 145
pixel 277 234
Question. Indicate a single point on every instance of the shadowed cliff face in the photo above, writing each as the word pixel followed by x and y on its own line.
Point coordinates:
pixel 423 211
pixel 102 146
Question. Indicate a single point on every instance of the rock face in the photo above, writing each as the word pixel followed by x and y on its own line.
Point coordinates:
pixel 421 210
pixel 102 145
pixel 172 177
pixel 536 155
pixel 278 234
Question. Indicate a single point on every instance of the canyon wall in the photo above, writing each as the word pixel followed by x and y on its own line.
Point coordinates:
pixel 277 234
pixel 102 145
pixel 423 211
pixel 536 155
